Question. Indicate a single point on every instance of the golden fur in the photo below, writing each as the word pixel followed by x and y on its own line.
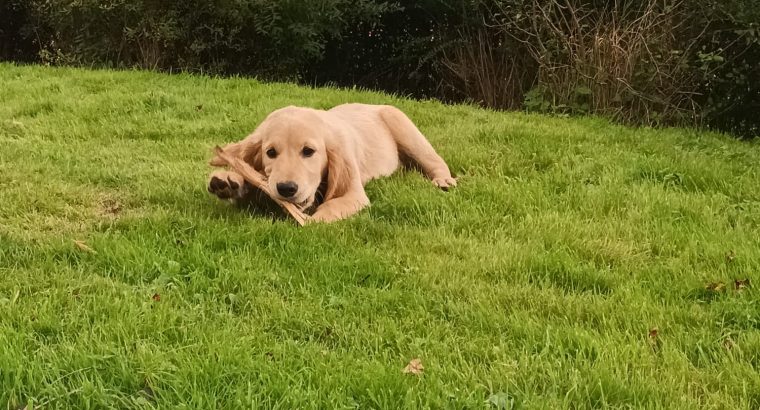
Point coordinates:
pixel 344 147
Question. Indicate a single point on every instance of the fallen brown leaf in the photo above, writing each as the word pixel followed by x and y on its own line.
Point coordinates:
pixel 110 206
pixel 653 332
pixel 728 343
pixel 83 246
pixel 147 393
pixel 156 297
pixel 741 284
pixel 654 342
pixel 414 367
pixel 715 286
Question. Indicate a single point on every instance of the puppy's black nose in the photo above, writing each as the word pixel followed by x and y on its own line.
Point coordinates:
pixel 287 189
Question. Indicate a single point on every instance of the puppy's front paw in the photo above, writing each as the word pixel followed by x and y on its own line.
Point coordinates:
pixel 323 216
pixel 445 183
pixel 226 185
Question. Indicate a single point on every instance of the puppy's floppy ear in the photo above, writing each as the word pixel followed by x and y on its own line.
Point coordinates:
pixel 248 149
pixel 340 173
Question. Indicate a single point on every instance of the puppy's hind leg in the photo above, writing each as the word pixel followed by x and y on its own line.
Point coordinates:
pixel 413 144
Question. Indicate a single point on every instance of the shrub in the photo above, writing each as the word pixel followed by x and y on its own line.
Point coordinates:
pixel 271 38
pixel 16 36
pixel 644 62
pixel 621 60
pixel 727 61
pixel 649 62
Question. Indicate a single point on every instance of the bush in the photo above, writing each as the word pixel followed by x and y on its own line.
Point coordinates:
pixel 16 36
pixel 270 38
pixel 654 62
pixel 644 62
pixel 727 61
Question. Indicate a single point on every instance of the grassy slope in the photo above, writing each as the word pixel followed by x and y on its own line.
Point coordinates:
pixel 539 277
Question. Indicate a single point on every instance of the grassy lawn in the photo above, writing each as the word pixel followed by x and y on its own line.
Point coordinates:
pixel 578 264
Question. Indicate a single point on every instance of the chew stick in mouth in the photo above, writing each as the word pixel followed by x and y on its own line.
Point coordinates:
pixel 258 180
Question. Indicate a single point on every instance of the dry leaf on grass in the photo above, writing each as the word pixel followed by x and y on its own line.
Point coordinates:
pixel 502 401
pixel 741 284
pixel 83 246
pixel 156 297
pixel 715 286
pixel 653 332
pixel 110 206
pixel 147 393
pixel 414 367
pixel 654 341
pixel 728 343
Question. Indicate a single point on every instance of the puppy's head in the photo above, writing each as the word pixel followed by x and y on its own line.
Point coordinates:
pixel 294 154
pixel 297 150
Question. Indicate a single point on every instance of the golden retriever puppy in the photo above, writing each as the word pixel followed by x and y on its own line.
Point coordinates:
pixel 324 158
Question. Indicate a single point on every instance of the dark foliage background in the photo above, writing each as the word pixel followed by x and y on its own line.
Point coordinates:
pixel 652 62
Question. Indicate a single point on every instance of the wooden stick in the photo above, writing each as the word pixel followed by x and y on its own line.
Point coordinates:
pixel 258 180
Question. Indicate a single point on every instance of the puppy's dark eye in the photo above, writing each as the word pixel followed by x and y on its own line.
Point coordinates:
pixel 307 152
pixel 271 153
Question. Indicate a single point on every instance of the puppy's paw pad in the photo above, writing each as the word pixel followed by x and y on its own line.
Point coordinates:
pixel 223 188
pixel 445 183
pixel 216 184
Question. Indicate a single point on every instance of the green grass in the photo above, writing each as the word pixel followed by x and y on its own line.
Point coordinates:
pixel 535 282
